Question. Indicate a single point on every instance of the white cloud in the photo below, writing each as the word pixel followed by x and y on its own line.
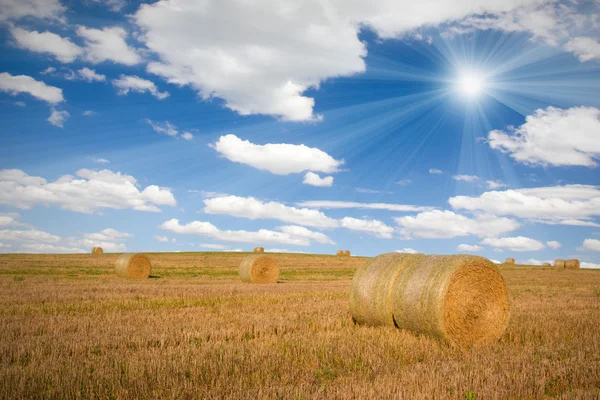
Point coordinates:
pixel 167 128
pixel 91 75
pixel 585 48
pixel 315 180
pixel 49 248
pixel 99 160
pixel 251 208
pixel 371 191
pixel 407 250
pixel 435 171
pixel 466 178
pixel 26 84
pixel 63 49
pixel 493 185
pixel 89 113
pixel 108 44
pixel 371 226
pixel 258 71
pixel 518 243
pixel 588 265
pixel 162 239
pixel 209 230
pixel 302 232
pixel 107 239
pixel 330 204
pixel 404 182
pixel 20 103
pixel 468 248
pixel 42 9
pixel 107 235
pixel 553 137
pixel 566 205
pixel 127 83
pixel 9 219
pixel 31 235
pixel 58 118
pixel 284 251
pixel 554 244
pixel 447 224
pixel 114 5
pixel 213 246
pixel 590 244
pixel 279 159
pixel 91 191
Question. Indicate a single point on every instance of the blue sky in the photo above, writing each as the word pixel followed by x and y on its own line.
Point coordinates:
pixel 202 125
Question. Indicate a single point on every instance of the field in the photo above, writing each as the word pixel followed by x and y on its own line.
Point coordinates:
pixel 71 329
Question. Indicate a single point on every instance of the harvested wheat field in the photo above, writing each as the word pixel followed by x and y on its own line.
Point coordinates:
pixel 71 328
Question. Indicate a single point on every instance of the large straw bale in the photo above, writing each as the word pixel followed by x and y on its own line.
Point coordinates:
pixel 259 250
pixel 560 264
pixel 259 269
pixel 462 300
pixel 372 286
pixel 509 261
pixel 339 253
pixel 133 265
pixel 572 264
pixel 97 250
pixel 347 253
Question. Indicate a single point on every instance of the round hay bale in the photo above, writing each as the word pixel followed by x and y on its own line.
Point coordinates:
pixel 339 253
pixel 97 250
pixel 509 261
pixel 133 265
pixel 372 287
pixel 259 250
pixel 572 264
pixel 559 263
pixel 259 269
pixel 461 299
pixel 546 265
pixel 347 253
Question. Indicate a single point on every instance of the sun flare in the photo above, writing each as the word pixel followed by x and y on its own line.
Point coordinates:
pixel 471 84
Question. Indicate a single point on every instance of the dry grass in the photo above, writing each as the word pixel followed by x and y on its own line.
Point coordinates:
pixel 71 329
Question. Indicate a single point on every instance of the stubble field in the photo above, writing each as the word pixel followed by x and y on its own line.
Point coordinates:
pixel 71 329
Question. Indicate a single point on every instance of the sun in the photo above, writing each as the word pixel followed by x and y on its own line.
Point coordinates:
pixel 471 84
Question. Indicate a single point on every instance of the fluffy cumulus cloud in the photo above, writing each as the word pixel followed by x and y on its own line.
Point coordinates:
pixel 589 265
pixel 493 185
pixel 585 48
pixel 435 171
pixel 518 243
pixel 108 44
pixel 438 224
pixel 132 83
pixel 332 204
pixel 468 248
pixel 13 10
pixel 301 231
pixel 113 5
pixel 553 136
pixel 590 244
pixel 371 226
pixel 99 160
pixel 58 118
pixel 407 250
pixel 31 235
pixel 63 49
pixel 162 239
pixel 313 179
pixel 166 128
pixel 108 239
pixel 267 71
pixel 88 192
pixel 466 178
pixel 37 248
pixel 251 208
pixel 9 219
pixel 209 230
pixel 91 75
pixel 26 84
pixel 554 244
pixel 277 158
pixel 565 205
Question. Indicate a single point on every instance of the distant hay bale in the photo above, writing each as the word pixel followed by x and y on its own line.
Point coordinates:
pixel 346 253
pixel 97 250
pixel 259 269
pixel 133 265
pixel 259 250
pixel 560 264
pixel 372 287
pixel 339 253
pixel 546 265
pixel 572 264
pixel 509 261
pixel 462 300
